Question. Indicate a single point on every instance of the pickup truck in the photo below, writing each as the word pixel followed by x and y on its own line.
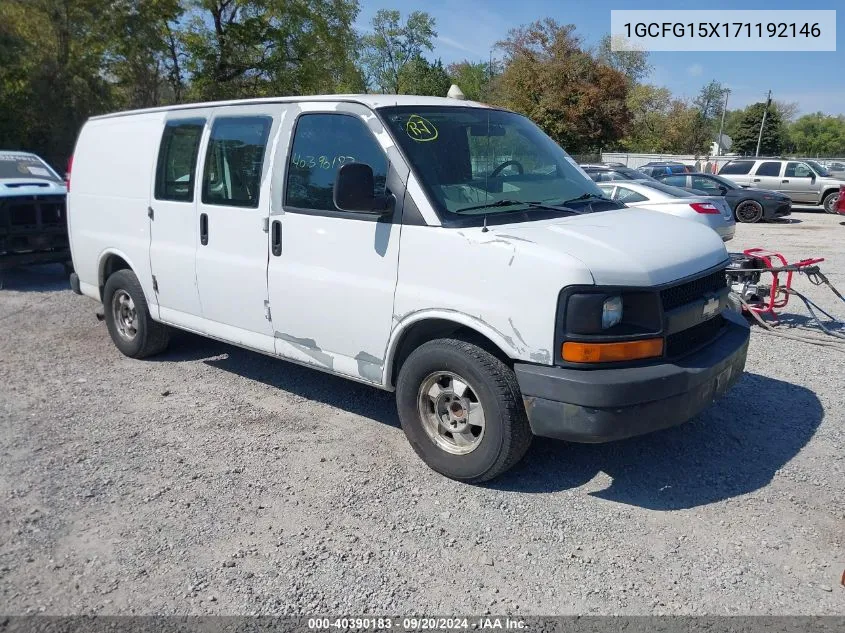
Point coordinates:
pixel 33 221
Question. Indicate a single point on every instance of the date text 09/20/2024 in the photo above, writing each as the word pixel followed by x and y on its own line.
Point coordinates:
pixel 416 623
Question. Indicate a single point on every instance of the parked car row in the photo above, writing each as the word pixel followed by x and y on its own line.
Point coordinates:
pixel 748 204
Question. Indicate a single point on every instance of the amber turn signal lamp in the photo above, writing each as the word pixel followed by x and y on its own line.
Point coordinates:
pixel 611 352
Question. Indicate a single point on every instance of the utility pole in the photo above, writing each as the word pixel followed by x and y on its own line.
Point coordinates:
pixel 763 122
pixel 722 124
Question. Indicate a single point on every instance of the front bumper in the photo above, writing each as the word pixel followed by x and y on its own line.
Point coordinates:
pixel 602 405
pixel 777 210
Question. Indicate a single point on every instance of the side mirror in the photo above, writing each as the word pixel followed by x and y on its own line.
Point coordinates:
pixel 354 190
pixel 812 176
pixel 724 190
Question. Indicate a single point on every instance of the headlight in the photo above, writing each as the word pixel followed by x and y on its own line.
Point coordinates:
pixel 611 312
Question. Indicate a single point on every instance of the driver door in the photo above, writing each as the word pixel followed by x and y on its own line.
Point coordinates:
pixel 798 182
pixel 332 273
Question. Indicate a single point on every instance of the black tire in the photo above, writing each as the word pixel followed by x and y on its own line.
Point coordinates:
pixel 829 202
pixel 507 434
pixel 749 211
pixel 150 337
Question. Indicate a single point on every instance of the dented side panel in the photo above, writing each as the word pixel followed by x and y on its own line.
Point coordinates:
pixel 331 288
pixel 502 286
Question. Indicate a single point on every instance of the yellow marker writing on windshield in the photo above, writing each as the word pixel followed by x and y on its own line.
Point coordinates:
pixel 420 129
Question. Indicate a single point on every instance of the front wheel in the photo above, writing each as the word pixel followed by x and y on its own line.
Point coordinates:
pixel 461 409
pixel 128 318
pixel 749 211
pixel 830 201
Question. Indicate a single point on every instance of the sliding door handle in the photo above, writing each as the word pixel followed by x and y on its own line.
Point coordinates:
pixel 204 229
pixel 276 238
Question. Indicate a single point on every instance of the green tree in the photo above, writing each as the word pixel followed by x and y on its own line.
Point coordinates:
pixel 421 77
pixel 549 76
pixel 474 78
pixel 818 134
pixel 649 107
pixel 143 57
pixel 392 44
pixel 633 64
pixel 748 127
pixel 52 75
pixel 709 104
pixel 242 48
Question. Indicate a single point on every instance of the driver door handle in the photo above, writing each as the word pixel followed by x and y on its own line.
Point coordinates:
pixel 276 238
pixel 204 229
pixel 784 180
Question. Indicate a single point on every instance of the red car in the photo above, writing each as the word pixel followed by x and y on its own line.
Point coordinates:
pixel 840 203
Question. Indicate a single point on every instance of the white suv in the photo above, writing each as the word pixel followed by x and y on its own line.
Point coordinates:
pixel 804 181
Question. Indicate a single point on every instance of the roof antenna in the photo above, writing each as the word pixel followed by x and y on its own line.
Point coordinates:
pixel 484 228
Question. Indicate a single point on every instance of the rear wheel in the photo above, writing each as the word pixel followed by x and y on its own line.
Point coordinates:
pixel 128 318
pixel 749 211
pixel 830 201
pixel 461 410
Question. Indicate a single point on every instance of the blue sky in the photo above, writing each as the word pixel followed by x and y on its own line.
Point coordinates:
pixel 467 29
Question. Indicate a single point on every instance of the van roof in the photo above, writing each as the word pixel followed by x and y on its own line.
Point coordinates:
pixel 371 100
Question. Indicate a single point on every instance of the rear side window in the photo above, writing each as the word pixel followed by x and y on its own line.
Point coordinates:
pixel 323 143
pixel 623 194
pixel 702 183
pixel 675 181
pixel 770 168
pixel 737 167
pixel 234 161
pixel 177 160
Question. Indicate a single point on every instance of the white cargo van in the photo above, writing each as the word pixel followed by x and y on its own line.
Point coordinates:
pixel 443 249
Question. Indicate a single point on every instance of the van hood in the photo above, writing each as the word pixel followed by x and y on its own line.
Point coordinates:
pixel 626 247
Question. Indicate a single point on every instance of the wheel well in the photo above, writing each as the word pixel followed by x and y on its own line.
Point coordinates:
pixel 827 192
pixel 111 265
pixel 431 329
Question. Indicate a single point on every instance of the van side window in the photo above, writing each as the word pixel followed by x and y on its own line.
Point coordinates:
pixel 177 160
pixel 321 144
pixel 234 160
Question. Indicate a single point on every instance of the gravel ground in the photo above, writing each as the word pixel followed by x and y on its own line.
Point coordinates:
pixel 214 480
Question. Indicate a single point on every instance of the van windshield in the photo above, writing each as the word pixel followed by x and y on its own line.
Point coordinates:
pixel 27 166
pixel 480 162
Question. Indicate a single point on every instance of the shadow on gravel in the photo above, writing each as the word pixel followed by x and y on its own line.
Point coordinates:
pixel 788 320
pixel 39 278
pixel 302 381
pixel 733 448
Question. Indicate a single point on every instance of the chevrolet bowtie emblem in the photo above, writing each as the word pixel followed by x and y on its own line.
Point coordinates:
pixel 711 307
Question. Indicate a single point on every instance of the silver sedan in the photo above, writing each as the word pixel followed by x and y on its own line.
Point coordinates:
pixel 645 194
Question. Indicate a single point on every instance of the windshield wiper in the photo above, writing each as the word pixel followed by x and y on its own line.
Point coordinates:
pixel 529 203
pixel 495 203
pixel 585 196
